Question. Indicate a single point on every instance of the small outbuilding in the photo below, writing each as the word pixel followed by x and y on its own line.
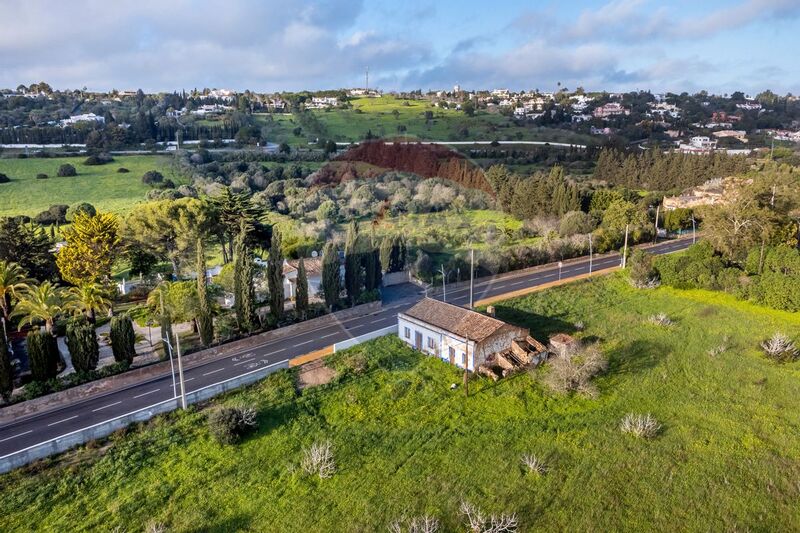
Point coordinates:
pixel 455 334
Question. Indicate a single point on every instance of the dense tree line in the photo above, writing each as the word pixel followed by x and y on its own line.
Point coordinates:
pixel 536 195
pixel 655 170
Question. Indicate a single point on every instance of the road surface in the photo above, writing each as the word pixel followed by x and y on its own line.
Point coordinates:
pixel 34 429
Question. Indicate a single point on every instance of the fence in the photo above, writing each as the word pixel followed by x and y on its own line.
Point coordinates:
pixel 349 343
pixel 103 429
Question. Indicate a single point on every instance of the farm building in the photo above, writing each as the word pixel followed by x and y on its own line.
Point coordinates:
pixel 462 337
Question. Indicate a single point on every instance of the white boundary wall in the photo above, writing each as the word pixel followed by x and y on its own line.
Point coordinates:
pixel 349 343
pixel 103 429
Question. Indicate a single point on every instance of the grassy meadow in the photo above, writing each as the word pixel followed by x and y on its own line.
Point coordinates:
pixel 727 458
pixel 100 185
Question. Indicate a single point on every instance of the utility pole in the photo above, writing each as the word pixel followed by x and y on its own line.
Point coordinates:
pixel 694 230
pixel 171 366
pixel 471 276
pixel 625 248
pixel 366 81
pixel 590 254
pixel 180 370
pixel 655 237
pixel 466 376
pixel 560 264
pixel 444 286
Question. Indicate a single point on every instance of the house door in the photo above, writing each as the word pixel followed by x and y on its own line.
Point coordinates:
pixel 452 355
pixel 418 340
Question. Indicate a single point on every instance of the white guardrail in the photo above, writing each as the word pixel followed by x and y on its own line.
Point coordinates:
pixel 103 429
pixel 349 343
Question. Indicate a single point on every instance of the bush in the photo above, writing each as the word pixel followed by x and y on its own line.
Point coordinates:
pixel 123 170
pixel 56 214
pixel 780 348
pixel 82 207
pixel 478 521
pixel 43 356
pixel 82 344
pixel 534 464
pixel 123 338
pixel 661 319
pixel 574 371
pixel 642 274
pixel 230 424
pixel 152 177
pixel 66 170
pixel 99 159
pixel 318 460
pixel 641 426
pixel 42 176
pixel 4 178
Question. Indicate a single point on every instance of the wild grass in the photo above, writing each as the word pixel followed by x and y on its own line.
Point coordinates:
pixel 407 446
pixel 100 185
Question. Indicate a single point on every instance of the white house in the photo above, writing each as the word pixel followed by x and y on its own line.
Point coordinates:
pixel 457 335
pixel 86 117
pixel 313 274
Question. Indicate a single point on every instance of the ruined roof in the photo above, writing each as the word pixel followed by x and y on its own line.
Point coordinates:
pixel 458 320
pixel 313 265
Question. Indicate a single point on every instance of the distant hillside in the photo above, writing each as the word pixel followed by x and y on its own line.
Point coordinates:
pixel 427 160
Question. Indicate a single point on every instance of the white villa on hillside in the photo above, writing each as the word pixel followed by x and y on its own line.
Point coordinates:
pixel 457 335
pixel 313 274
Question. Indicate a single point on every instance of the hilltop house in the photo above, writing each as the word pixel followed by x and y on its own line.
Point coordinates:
pixel 313 273
pixel 457 335
pixel 611 109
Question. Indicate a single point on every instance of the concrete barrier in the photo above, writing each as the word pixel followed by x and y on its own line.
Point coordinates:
pixel 349 343
pixel 103 429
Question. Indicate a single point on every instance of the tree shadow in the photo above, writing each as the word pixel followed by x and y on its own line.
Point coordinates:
pixel 239 522
pixel 540 326
pixel 635 357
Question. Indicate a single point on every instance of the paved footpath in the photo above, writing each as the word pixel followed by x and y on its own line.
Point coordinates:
pixel 27 431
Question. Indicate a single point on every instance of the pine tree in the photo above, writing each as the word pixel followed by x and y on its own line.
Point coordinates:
pixel 205 322
pixel 301 299
pixel 352 264
pixel 43 356
pixel 82 344
pixel 275 275
pixel 6 370
pixel 123 338
pixel 331 281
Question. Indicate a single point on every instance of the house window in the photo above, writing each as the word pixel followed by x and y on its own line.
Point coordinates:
pixel 463 359
pixel 407 332
pixel 431 344
pixel 452 353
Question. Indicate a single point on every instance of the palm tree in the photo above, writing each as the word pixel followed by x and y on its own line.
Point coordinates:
pixel 43 303
pixel 12 283
pixel 89 298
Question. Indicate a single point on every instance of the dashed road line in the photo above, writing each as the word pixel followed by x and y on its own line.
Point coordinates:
pixel 17 435
pixel 62 420
pixel 214 371
pixel 146 393
pixel 106 406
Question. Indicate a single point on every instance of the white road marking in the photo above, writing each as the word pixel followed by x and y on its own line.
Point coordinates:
pixel 214 371
pixel 61 421
pixel 381 319
pixel 302 343
pixel 186 380
pixel 17 435
pixel 519 282
pixel 277 351
pixel 146 393
pixel 106 406
pixel 329 335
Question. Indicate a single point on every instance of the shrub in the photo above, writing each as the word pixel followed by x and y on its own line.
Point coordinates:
pixel 56 214
pixel 99 159
pixel 152 177
pixel 534 464
pixel 123 170
pixel 82 207
pixel 642 274
pixel 41 176
pixel 661 319
pixel 123 338
pixel 4 178
pixel 780 348
pixel 479 522
pixel 230 424
pixel 43 356
pixel 641 426
pixel 416 524
pixel 66 170
pixel 318 460
pixel 574 371
pixel 82 344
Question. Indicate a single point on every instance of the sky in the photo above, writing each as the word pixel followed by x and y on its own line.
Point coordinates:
pixel 276 45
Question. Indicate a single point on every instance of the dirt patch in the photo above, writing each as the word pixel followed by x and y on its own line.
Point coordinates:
pixel 315 373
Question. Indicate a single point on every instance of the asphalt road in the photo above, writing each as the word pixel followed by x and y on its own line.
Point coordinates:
pixel 34 429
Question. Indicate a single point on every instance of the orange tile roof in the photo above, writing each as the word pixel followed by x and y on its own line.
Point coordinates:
pixel 455 319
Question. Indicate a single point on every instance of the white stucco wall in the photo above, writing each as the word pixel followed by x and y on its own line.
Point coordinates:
pixel 442 341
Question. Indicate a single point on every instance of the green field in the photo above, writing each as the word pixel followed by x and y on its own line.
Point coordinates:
pixel 727 458
pixel 100 185
pixel 382 116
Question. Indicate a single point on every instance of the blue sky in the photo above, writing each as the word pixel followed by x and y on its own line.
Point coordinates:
pixel 267 45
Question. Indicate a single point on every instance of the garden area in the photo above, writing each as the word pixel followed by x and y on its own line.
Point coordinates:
pixel 387 441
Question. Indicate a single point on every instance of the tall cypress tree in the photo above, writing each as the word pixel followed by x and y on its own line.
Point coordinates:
pixel 123 339
pixel 301 299
pixel 331 281
pixel 6 370
pixel 43 356
pixel 84 349
pixel 205 322
pixel 243 274
pixel 275 275
pixel 352 264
